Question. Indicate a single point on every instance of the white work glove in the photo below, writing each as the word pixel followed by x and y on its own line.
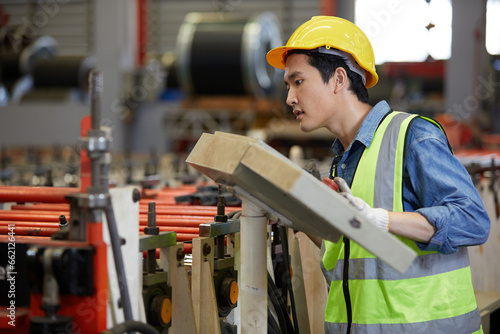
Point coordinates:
pixel 379 216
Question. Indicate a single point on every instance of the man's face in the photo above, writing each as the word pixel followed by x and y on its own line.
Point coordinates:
pixel 310 98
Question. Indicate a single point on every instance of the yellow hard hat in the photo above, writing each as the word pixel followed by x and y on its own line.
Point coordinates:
pixel 332 33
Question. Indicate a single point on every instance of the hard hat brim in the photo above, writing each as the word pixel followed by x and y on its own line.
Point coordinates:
pixel 275 57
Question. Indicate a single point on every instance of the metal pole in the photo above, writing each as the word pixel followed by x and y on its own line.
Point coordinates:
pixel 95 81
pixel 119 265
pixel 253 271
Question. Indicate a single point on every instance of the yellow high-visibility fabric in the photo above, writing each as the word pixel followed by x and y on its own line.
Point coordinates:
pixel 411 298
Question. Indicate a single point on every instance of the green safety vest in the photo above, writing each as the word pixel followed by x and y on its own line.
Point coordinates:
pixel 435 294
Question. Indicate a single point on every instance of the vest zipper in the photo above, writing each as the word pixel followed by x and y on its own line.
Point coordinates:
pixel 345 283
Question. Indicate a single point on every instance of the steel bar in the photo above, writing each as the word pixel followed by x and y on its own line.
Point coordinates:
pixel 119 265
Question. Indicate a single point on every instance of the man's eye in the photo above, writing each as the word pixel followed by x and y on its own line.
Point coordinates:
pixel 298 82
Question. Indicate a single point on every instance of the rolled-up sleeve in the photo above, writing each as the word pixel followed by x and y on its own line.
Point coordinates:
pixel 443 191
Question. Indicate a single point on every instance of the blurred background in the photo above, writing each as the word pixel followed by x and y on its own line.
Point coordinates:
pixel 174 69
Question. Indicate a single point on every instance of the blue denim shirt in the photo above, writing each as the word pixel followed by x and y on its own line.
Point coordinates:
pixel 435 183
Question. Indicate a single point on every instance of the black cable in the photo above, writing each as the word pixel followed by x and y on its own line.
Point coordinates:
pixel 345 283
pixel 132 325
pixel 284 244
pixel 234 214
pixel 272 291
pixel 273 326
pixel 347 251
pixel 271 331
pixel 119 265
pixel 282 304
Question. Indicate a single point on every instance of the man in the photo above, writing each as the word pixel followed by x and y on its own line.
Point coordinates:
pixel 400 172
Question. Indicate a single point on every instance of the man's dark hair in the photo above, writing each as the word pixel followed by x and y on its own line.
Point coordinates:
pixel 326 64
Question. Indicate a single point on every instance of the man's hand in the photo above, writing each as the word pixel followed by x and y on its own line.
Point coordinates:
pixel 379 216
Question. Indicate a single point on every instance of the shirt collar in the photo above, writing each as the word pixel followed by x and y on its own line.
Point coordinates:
pixel 367 129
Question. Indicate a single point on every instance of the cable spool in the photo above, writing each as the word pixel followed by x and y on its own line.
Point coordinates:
pixel 225 54
pixel 16 63
pixel 63 71
pixel 4 95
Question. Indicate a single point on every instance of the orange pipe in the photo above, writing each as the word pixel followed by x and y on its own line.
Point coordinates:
pixel 168 221
pixel 42 207
pixel 161 209
pixel 165 192
pixel 162 201
pixel 35 194
pixel 85 162
pixel 185 235
pixel 40 212
pixel 143 219
pixel 177 229
pixel 181 237
pixel 328 7
pixel 95 238
pixel 29 224
pixel 179 218
pixel 28 239
pixel 142 31
pixel 181 211
pixel 33 231
pixel 21 216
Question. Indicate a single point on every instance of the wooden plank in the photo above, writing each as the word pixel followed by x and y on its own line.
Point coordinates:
pixel 299 290
pixel 314 282
pixel 183 320
pixel 202 285
pixel 487 302
pixel 485 267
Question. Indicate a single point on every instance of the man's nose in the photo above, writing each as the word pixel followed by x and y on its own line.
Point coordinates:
pixel 291 97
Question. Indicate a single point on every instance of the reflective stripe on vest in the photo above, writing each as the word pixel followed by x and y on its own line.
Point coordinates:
pixel 436 326
pixel 434 293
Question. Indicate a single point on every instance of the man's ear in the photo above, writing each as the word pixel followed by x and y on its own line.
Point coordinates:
pixel 340 79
